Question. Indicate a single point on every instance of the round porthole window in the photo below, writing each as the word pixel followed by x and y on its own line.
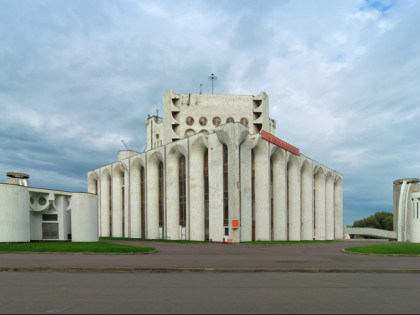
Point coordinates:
pixel 216 121
pixel 244 121
pixel 31 200
pixel 230 119
pixel 189 132
pixel 203 121
pixel 42 201
pixel 189 121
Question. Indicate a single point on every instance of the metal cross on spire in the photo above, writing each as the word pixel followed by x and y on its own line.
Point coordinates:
pixel 212 78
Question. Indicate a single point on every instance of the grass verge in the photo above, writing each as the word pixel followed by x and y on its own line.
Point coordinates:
pixel 186 241
pixel 147 240
pixel 70 247
pixel 286 242
pixel 388 249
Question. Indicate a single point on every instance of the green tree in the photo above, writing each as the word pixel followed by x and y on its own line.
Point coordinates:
pixel 380 220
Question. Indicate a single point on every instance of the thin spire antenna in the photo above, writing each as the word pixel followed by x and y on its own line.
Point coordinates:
pixel 212 78
pixel 124 144
pixel 201 88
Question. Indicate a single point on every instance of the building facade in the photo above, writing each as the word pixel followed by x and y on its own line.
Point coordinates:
pixel 213 170
pixel 36 214
pixel 406 209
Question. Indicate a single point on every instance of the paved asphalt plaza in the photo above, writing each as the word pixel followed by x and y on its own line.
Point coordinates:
pixel 212 278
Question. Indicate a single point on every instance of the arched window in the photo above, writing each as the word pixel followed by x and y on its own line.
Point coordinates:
pixel 206 196
pixel 142 203
pixel 182 192
pixel 253 192
pixel 123 202
pixel 110 206
pixel 225 186
pixel 271 201
pixel 161 215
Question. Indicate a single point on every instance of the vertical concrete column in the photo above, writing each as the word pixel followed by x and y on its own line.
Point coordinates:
pixel 187 198
pixel 117 199
pixel 14 213
pixel 94 188
pixel 403 226
pixel 307 202
pixel 135 195
pixel 293 183
pixel 172 196
pixel 414 217
pixel 262 191
pixel 233 183
pixel 329 208
pixel 126 208
pixel 92 184
pixel 215 152
pixel 152 200
pixel 84 218
pixel 246 192
pixel 105 204
pixel 320 205
pixel 60 207
pixel 99 189
pixel 279 196
pixel 197 192
pixel 338 209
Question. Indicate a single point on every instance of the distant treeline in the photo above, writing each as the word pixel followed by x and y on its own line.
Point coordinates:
pixel 380 220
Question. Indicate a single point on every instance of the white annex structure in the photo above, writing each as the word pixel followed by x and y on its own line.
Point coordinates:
pixel 406 210
pixel 212 170
pixel 35 214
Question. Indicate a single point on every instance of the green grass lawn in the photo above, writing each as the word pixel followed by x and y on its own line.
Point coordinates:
pixel 393 248
pixel 147 240
pixel 287 242
pixel 185 241
pixel 70 247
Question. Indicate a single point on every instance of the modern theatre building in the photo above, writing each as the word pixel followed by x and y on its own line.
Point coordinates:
pixel 213 170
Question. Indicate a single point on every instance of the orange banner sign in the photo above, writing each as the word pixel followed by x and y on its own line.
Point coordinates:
pixel 282 144
pixel 235 224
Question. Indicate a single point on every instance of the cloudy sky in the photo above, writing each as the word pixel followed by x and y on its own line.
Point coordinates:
pixel 343 77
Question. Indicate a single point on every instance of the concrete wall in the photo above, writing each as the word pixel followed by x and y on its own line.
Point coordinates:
pixel 302 200
pixel 188 114
pixel 391 235
pixel 14 213
pixel 24 211
pixel 84 217
pixel 415 217
pixel 414 187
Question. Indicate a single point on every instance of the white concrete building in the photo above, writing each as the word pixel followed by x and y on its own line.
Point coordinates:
pixel 406 210
pixel 35 214
pixel 212 170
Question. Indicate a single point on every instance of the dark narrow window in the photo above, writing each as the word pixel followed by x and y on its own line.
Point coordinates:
pixel 206 196
pixel 142 203
pixel 110 207
pixel 253 193
pixel 417 210
pixel 225 186
pixel 182 193
pixel 161 217
pixel 123 202
pixel 272 201
pixel 314 210
pixel 49 217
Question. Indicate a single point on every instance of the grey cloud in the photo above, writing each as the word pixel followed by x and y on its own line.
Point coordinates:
pixel 76 77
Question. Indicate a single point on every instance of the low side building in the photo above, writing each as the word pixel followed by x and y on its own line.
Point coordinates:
pixel 213 170
pixel 406 210
pixel 35 214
